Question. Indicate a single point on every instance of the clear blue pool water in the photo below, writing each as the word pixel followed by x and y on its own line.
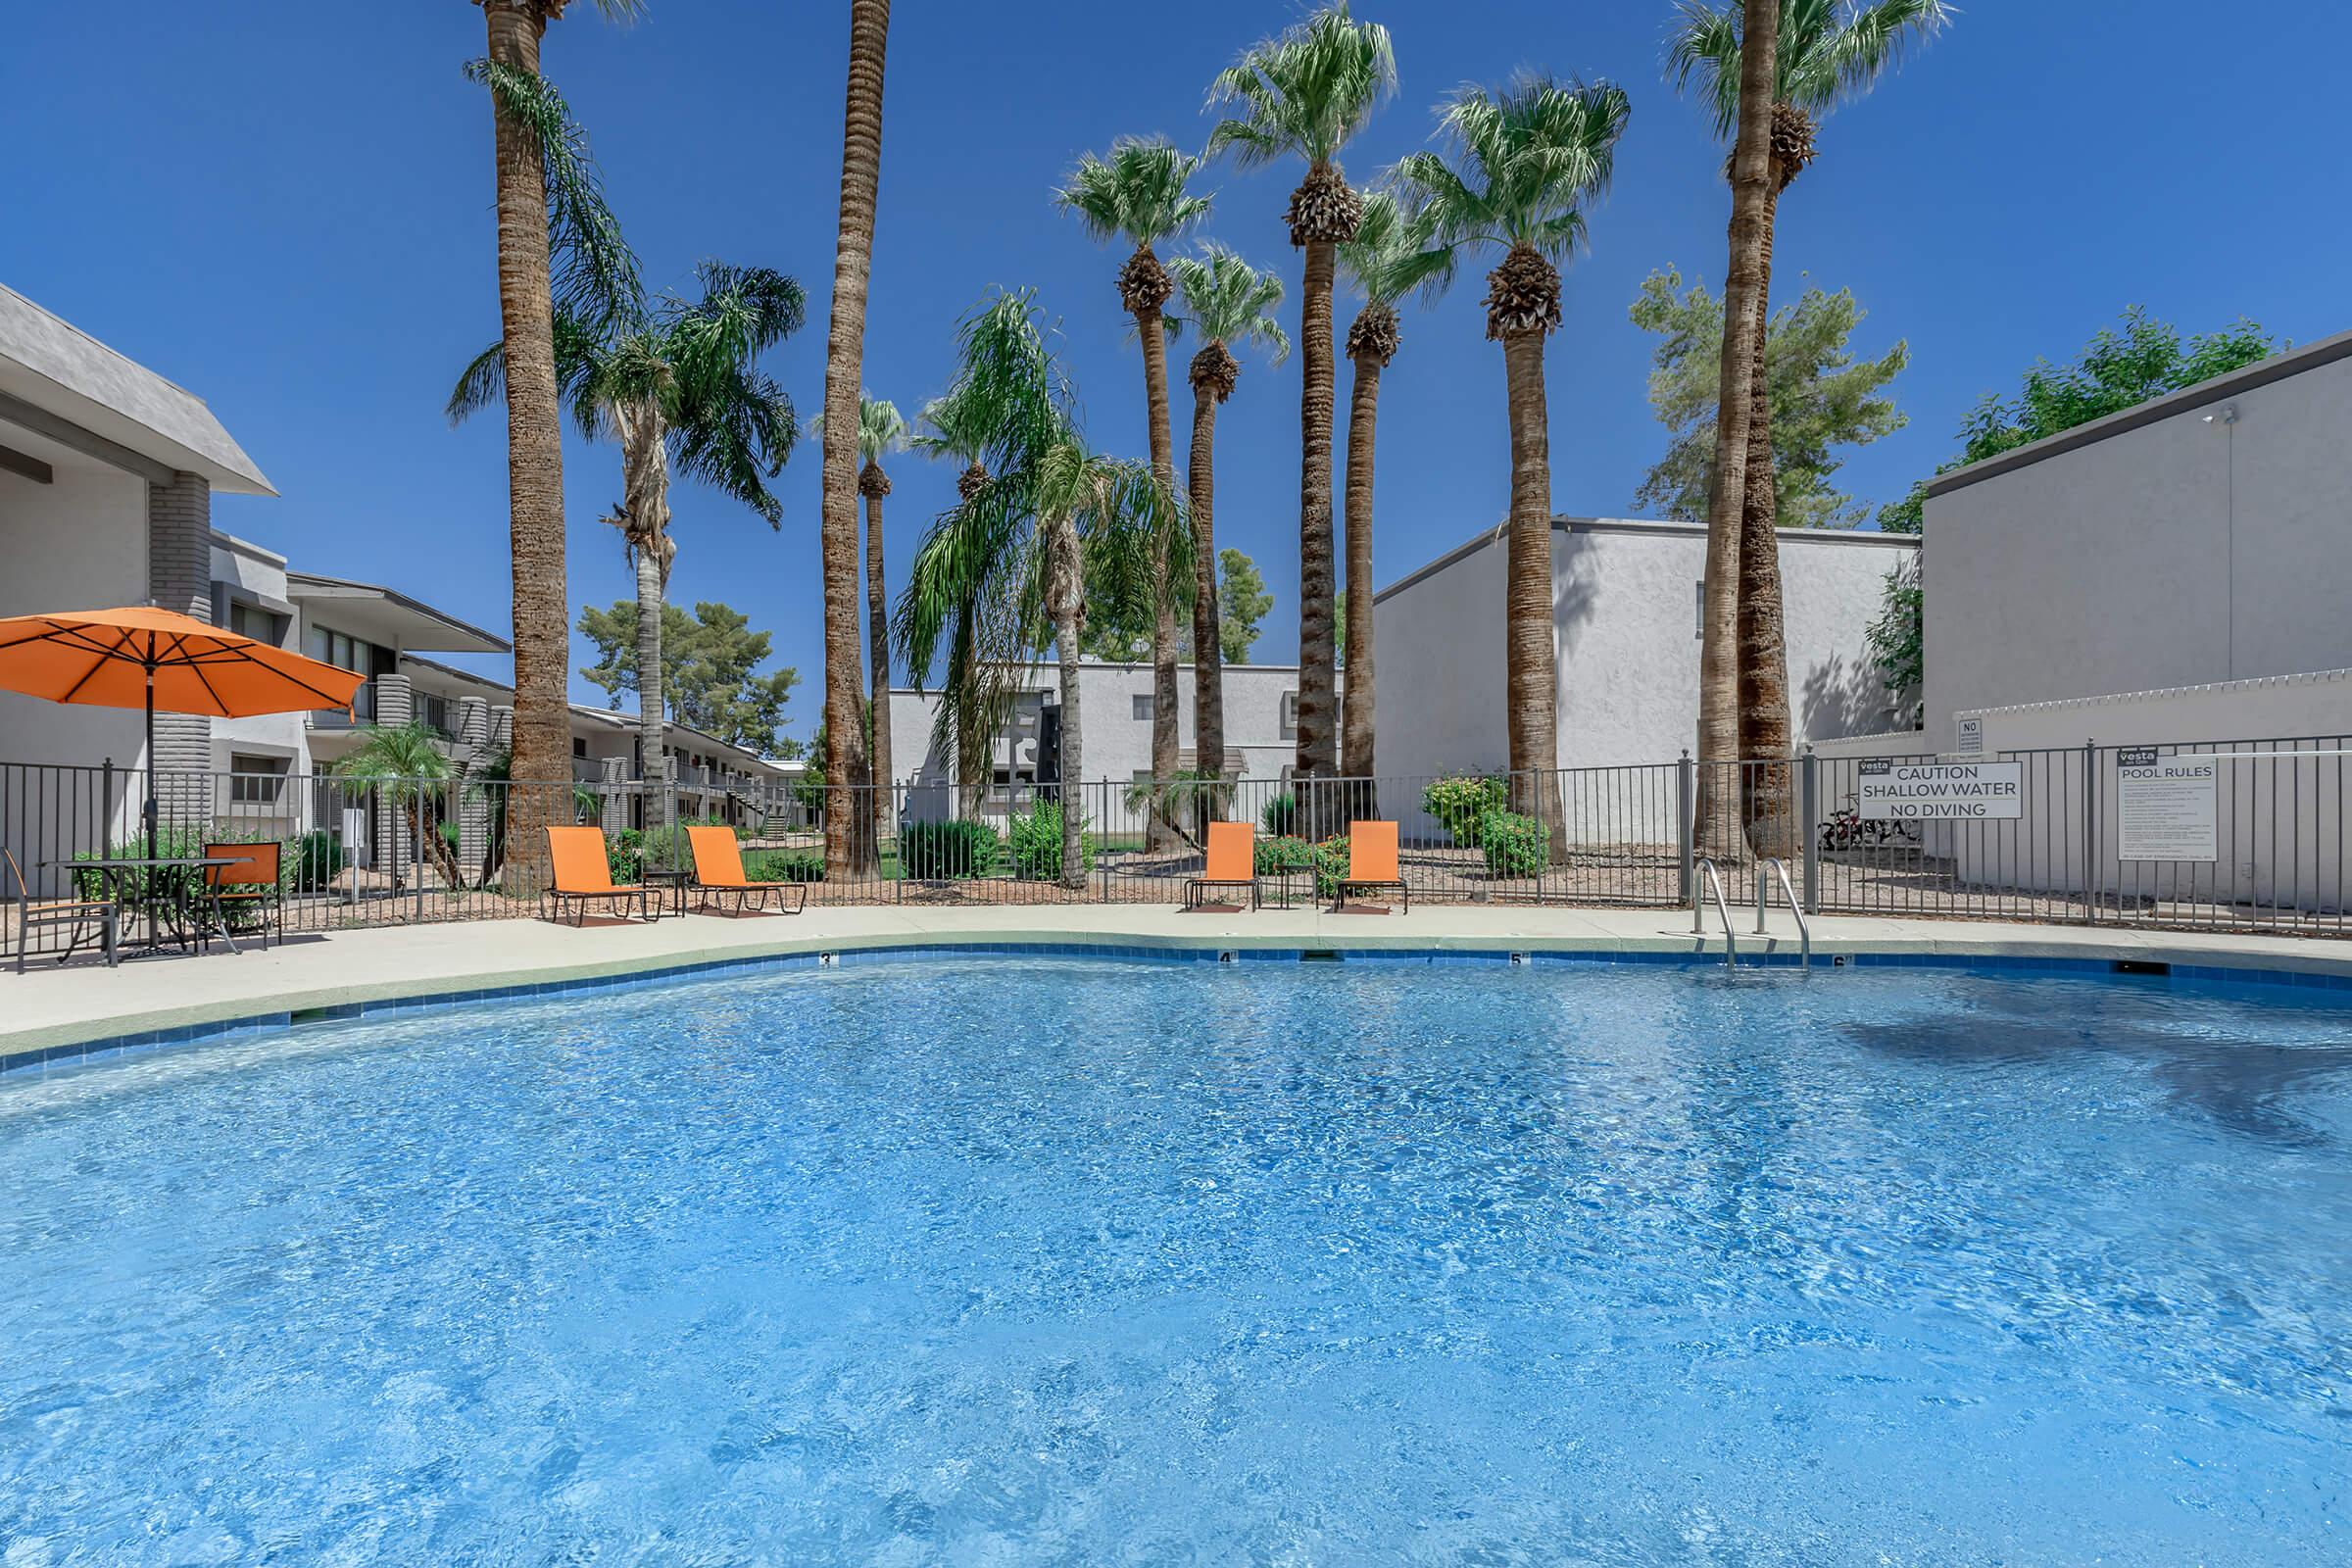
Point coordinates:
pixel 1045 1262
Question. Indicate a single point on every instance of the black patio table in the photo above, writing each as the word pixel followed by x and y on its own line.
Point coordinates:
pixel 186 924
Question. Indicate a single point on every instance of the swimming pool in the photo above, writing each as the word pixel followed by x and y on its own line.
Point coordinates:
pixel 1033 1261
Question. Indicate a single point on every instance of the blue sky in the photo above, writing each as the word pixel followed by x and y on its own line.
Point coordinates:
pixel 290 215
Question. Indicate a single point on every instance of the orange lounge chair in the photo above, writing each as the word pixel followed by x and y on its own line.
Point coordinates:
pixel 718 869
pixel 252 883
pixel 584 874
pixel 1232 864
pixel 1372 864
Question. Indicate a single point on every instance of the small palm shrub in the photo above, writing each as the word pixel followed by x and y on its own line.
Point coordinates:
pixel 932 852
pixel 1281 815
pixel 1515 845
pixel 1035 838
pixel 1462 803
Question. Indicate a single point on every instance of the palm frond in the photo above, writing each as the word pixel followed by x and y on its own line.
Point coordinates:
pixel 1305 91
pixel 1139 193
pixel 1228 301
pixel 1527 160
pixel 592 273
pixel 1395 252
pixel 881 428
pixel 1829 51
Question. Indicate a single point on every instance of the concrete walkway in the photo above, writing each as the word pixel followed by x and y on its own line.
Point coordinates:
pixel 56 1005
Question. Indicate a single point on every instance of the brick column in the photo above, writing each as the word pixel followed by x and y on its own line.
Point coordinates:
pixel 395 706
pixel 179 578
pixel 613 787
pixel 502 727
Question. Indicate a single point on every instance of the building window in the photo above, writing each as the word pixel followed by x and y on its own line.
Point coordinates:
pixel 579 746
pixel 1289 715
pixel 432 712
pixel 1140 703
pixel 252 620
pixel 256 780
pixel 341 650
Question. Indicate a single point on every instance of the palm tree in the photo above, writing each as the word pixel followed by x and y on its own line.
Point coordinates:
pixel 533 196
pixel 1226 301
pixel 1826 51
pixel 1715 835
pixel 1138 195
pixel 676 384
pixel 1306 92
pixel 955 428
pixel 1012 553
pixel 849 850
pixel 406 768
pixel 1390 257
pixel 880 432
pixel 1529 159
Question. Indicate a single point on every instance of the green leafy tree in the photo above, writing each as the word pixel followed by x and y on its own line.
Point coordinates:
pixel 2121 368
pixel 1823 399
pixel 1242 602
pixel 1140 194
pixel 1228 302
pixel 1306 93
pixel 710 674
pixel 1527 161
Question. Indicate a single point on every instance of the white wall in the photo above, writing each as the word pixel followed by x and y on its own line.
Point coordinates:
pixel 2187 550
pixel 79 543
pixel 260 575
pixel 1625 598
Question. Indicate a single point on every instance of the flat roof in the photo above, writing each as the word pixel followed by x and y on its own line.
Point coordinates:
pixel 55 368
pixel 2262 373
pixel 459 637
pixel 1866 538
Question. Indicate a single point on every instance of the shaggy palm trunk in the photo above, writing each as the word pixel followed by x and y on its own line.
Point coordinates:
pixel 541 732
pixel 1767 807
pixel 1066 601
pixel 644 522
pixel 1370 341
pixel 1212 383
pixel 1320 194
pixel 874 484
pixel 1716 828
pixel 1531 679
pixel 1159 832
pixel 848 848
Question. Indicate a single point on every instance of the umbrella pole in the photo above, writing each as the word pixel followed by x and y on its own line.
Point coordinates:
pixel 151 761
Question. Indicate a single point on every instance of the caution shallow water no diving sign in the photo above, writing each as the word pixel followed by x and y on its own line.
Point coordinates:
pixel 1942 792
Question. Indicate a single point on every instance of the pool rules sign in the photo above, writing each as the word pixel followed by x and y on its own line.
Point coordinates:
pixel 1941 792
pixel 2166 808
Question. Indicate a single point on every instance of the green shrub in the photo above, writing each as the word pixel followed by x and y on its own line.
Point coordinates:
pixel 785 865
pixel 1331 865
pixel 931 852
pixel 1515 845
pixel 1462 803
pixel 1285 855
pixel 313 860
pixel 1035 839
pixel 1281 815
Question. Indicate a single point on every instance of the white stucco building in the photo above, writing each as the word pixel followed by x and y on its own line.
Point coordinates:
pixel 2201 539
pixel 1626 600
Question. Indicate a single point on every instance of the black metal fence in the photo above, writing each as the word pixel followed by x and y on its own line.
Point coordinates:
pixel 2243 835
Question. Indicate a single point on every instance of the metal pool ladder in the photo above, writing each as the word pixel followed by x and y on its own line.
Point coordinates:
pixel 1805 931
pixel 1709 883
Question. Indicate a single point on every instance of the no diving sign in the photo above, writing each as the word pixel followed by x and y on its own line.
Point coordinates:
pixel 1942 792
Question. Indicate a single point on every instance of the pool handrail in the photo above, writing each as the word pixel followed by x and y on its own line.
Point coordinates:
pixel 1707 881
pixel 1804 930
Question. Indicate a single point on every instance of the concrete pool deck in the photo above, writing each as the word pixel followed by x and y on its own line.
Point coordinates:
pixel 60 1007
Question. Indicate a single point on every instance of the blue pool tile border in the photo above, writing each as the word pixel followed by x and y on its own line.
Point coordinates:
pixel 275 1021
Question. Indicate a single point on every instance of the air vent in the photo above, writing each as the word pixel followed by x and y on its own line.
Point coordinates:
pixel 1318 956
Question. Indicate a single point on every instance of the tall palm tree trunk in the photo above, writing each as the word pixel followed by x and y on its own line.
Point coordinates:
pixel 849 850
pixel 874 484
pixel 1767 806
pixel 1716 829
pixel 1317 754
pixel 1369 343
pixel 542 733
pixel 1160 833
pixel 1065 600
pixel 644 522
pixel 1531 680
pixel 1209 653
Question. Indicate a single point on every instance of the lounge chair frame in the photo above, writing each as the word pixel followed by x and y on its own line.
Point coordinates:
pixel 263 888
pixel 1196 889
pixel 1361 885
pixel 791 896
pixel 552 902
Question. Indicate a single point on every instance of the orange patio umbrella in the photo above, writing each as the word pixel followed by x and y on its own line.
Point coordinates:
pixel 142 656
